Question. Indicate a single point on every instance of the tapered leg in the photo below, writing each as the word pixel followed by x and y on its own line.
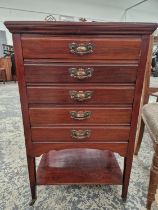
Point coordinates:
pixel 32 178
pixel 126 176
pixel 140 137
pixel 153 182
pixel 124 195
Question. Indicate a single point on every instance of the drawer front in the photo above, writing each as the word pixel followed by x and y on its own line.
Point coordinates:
pixel 81 95
pixel 80 73
pixel 112 48
pixel 80 134
pixel 72 115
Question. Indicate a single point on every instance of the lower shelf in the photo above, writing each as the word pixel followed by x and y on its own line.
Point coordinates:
pixel 79 166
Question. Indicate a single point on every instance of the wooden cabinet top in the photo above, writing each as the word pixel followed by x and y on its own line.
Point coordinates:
pixel 94 28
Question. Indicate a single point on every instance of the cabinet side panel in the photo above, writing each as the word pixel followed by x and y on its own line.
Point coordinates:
pixel 138 90
pixel 22 90
pixel 135 113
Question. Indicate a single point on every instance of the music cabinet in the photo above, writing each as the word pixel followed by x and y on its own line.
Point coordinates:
pixel 80 87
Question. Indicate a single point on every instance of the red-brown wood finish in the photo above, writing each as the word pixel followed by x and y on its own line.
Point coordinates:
pixel 104 48
pixel 79 166
pixel 25 114
pixel 39 148
pixel 135 113
pixel 97 134
pixel 74 28
pixel 59 73
pixel 43 58
pixel 60 115
pixel 49 61
pixel 99 94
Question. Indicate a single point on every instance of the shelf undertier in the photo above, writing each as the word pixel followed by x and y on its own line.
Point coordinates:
pixel 79 166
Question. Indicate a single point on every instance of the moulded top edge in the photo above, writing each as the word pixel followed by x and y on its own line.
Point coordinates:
pixel 59 27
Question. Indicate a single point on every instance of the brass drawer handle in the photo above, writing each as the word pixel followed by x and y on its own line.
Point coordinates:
pixel 80 134
pixel 80 95
pixel 80 115
pixel 81 73
pixel 81 49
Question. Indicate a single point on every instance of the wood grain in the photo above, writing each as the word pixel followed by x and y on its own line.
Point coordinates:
pixel 119 59
pixel 86 28
pixel 59 73
pixel 79 166
pixel 25 114
pixel 135 113
pixel 97 133
pixel 100 94
pixel 60 115
pixel 105 48
pixel 41 148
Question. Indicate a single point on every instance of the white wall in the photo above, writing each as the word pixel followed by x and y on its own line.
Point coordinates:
pixel 8 34
pixel 2 41
pixel 112 10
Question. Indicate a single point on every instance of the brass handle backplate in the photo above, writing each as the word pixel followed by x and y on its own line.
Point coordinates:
pixel 80 115
pixel 80 95
pixel 80 134
pixel 81 49
pixel 81 73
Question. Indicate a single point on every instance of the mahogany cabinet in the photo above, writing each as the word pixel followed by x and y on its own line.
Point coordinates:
pixel 80 87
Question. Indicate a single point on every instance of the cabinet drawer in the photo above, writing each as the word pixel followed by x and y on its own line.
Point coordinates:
pixel 80 134
pixel 72 73
pixel 80 95
pixel 64 115
pixel 112 48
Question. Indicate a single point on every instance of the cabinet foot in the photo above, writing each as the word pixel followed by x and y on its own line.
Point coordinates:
pixel 32 202
pixel 124 198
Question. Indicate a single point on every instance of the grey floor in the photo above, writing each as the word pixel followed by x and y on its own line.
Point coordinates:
pixel 14 185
